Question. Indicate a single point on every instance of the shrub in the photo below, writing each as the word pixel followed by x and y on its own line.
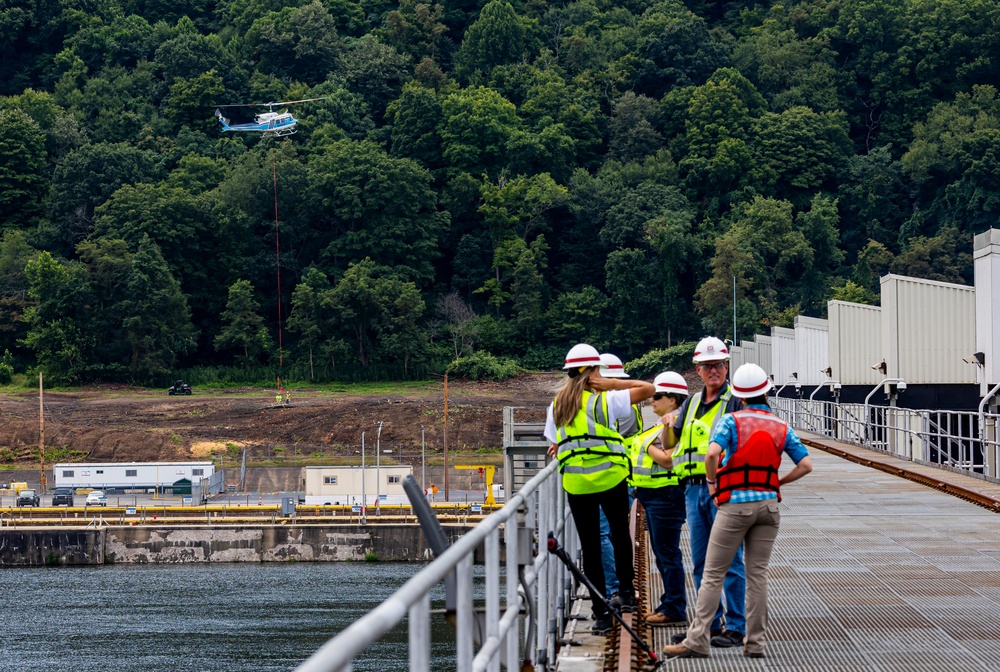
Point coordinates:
pixel 677 358
pixel 484 366
pixel 543 357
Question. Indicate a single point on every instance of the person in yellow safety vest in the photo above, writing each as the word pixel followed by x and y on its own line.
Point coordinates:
pixel 688 433
pixel 277 398
pixel 612 367
pixel 594 464
pixel 658 490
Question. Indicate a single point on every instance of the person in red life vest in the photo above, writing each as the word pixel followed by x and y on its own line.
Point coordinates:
pixel 750 443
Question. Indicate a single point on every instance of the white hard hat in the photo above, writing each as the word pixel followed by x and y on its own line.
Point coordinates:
pixel 671 382
pixel 612 367
pixel 581 355
pixel 750 381
pixel 710 349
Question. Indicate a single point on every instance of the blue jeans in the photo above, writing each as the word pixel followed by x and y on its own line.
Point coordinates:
pixel 608 557
pixel 665 511
pixel 700 516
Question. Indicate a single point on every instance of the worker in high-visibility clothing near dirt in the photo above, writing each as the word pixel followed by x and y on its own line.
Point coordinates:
pixel 658 490
pixel 612 367
pixel 747 488
pixel 594 465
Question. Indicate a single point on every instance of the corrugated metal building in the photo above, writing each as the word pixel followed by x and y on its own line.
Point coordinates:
pixel 782 354
pixel 855 342
pixel 928 328
pixel 764 353
pixel 986 257
pixel 749 352
pixel 735 359
pixel 812 349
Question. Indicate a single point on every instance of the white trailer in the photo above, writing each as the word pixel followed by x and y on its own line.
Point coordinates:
pixel 347 486
pixel 130 475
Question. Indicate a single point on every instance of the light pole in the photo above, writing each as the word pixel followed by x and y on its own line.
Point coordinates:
pixel 364 500
pixel 378 477
pixel 423 459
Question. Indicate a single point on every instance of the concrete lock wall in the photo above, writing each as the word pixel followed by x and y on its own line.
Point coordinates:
pixel 247 543
pixel 51 547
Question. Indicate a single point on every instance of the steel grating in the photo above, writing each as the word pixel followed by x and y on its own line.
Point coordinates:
pixel 871 574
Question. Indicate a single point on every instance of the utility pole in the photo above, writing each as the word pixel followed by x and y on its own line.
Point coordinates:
pixel 364 500
pixel 41 436
pixel 446 437
pixel 378 477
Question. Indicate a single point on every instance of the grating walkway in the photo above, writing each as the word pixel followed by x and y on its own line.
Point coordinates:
pixel 872 573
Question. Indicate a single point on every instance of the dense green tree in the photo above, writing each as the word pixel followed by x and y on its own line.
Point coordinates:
pixel 59 322
pixel 88 177
pixel 498 37
pixel 414 118
pixel 478 127
pixel 376 205
pixel 300 41
pixel 22 169
pixel 156 318
pixel 307 317
pixel 376 312
pixel 244 329
pixel 684 53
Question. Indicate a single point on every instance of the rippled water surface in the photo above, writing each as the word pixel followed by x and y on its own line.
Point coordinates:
pixel 218 618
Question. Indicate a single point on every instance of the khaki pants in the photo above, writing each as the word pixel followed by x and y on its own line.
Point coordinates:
pixel 756 524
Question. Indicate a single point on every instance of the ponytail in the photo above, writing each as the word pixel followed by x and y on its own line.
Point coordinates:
pixel 570 397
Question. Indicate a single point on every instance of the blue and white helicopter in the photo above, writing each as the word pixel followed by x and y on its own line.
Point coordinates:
pixel 273 123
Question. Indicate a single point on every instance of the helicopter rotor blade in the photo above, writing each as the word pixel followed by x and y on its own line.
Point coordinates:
pixel 291 102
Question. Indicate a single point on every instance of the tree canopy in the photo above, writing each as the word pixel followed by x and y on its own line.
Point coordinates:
pixel 490 176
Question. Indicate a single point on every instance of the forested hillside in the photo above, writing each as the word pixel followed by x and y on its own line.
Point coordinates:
pixel 478 177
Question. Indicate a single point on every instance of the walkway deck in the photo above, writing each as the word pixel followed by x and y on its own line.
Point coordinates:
pixel 871 572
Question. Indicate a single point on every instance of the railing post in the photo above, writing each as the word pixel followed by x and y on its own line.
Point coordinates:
pixel 464 615
pixel 511 534
pixel 541 583
pixel 493 592
pixel 420 635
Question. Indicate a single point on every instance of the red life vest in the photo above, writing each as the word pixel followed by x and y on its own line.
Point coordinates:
pixel 754 465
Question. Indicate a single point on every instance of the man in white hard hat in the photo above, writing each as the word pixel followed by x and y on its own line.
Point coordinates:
pixel 688 433
pixel 750 444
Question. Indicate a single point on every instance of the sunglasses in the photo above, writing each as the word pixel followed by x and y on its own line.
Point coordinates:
pixel 659 395
pixel 708 366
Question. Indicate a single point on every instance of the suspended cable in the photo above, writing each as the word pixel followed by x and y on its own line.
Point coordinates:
pixel 277 259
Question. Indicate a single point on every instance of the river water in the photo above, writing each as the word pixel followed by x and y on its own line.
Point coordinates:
pixel 201 618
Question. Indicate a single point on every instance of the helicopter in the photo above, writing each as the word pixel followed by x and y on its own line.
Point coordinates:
pixel 278 124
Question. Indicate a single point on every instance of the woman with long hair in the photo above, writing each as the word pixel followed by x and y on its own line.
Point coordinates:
pixel 594 463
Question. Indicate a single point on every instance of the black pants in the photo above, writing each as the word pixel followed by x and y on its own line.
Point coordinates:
pixel 588 527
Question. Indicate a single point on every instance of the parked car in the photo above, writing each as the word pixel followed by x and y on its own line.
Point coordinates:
pixel 28 498
pixel 97 498
pixel 62 496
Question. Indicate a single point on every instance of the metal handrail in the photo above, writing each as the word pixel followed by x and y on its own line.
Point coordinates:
pixel 950 439
pixel 413 598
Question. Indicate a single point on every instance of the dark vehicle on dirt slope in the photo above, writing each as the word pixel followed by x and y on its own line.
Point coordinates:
pixel 180 387
pixel 28 498
pixel 62 496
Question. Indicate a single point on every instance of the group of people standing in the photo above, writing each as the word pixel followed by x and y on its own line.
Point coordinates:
pixel 711 461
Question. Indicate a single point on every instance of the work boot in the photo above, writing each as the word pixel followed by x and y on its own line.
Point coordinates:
pixel 626 603
pixel 681 651
pixel 727 639
pixel 602 625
